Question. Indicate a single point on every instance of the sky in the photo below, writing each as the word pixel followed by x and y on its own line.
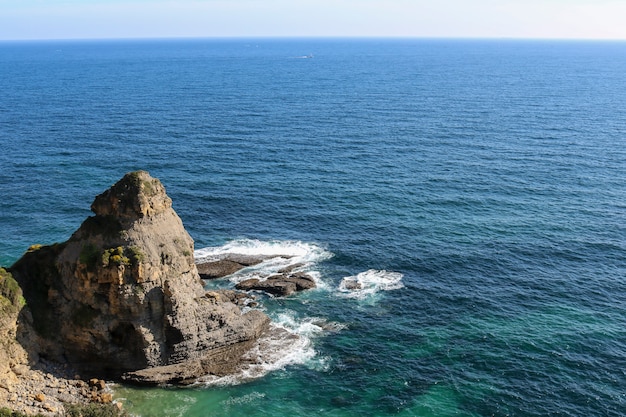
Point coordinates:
pixel 100 19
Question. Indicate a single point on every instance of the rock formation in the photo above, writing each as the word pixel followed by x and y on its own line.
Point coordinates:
pixel 12 355
pixel 283 283
pixel 122 298
pixel 227 265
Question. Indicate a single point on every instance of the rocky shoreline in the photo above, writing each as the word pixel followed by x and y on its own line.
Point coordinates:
pixel 121 300
pixel 37 392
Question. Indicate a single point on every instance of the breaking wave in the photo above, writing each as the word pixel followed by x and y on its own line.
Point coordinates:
pixel 369 283
pixel 276 254
pixel 290 338
pixel 293 250
pixel 288 342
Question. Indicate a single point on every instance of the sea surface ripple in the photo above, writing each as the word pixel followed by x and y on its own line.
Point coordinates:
pixel 477 189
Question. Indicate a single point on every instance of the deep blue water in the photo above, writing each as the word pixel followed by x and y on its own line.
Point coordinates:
pixel 490 174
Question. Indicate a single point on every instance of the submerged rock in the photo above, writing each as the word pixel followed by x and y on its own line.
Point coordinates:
pixel 122 298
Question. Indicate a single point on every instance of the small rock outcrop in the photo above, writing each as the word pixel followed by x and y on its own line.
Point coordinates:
pixel 122 298
pixel 283 283
pixel 227 265
pixel 279 284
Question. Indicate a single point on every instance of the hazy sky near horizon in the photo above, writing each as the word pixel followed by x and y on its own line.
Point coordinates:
pixel 87 19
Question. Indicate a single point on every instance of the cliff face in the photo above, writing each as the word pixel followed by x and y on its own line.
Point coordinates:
pixel 123 298
pixel 11 353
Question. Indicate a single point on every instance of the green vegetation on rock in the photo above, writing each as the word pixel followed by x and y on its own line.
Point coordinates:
pixel 92 256
pixel 76 410
pixel 10 292
pixel 94 410
pixel 5 412
pixel 114 256
pixel 148 188
pixel 122 256
pixel 136 255
pixel 35 247
pixel 145 186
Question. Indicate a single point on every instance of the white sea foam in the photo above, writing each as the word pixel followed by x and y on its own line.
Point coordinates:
pixel 288 342
pixel 369 283
pixel 280 254
pixel 244 399
pixel 293 249
pixel 307 327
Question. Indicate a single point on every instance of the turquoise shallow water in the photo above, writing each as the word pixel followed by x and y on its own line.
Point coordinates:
pixel 476 188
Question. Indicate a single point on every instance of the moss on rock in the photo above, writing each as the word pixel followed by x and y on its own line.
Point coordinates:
pixel 11 298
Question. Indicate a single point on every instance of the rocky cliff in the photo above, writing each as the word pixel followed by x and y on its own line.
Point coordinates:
pixel 11 353
pixel 122 297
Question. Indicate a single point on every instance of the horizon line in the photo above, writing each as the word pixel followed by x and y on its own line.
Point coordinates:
pixel 315 37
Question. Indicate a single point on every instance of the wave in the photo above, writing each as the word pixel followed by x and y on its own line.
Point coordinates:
pixel 370 282
pixel 276 254
pixel 288 248
pixel 287 342
pixel 290 338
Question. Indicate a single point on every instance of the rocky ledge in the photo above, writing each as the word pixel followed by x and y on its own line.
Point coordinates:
pixel 228 265
pixel 283 283
pixel 122 298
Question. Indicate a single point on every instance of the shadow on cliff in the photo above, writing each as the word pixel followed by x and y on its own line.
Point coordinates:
pixel 48 312
pixel 36 320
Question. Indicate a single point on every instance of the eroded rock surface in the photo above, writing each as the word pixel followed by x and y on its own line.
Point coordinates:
pixel 122 298
pixel 281 284
pixel 229 264
pixel 284 282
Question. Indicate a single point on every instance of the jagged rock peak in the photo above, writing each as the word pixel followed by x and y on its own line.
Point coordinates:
pixel 122 298
pixel 135 196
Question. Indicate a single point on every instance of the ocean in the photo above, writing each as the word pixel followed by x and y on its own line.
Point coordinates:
pixel 476 189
